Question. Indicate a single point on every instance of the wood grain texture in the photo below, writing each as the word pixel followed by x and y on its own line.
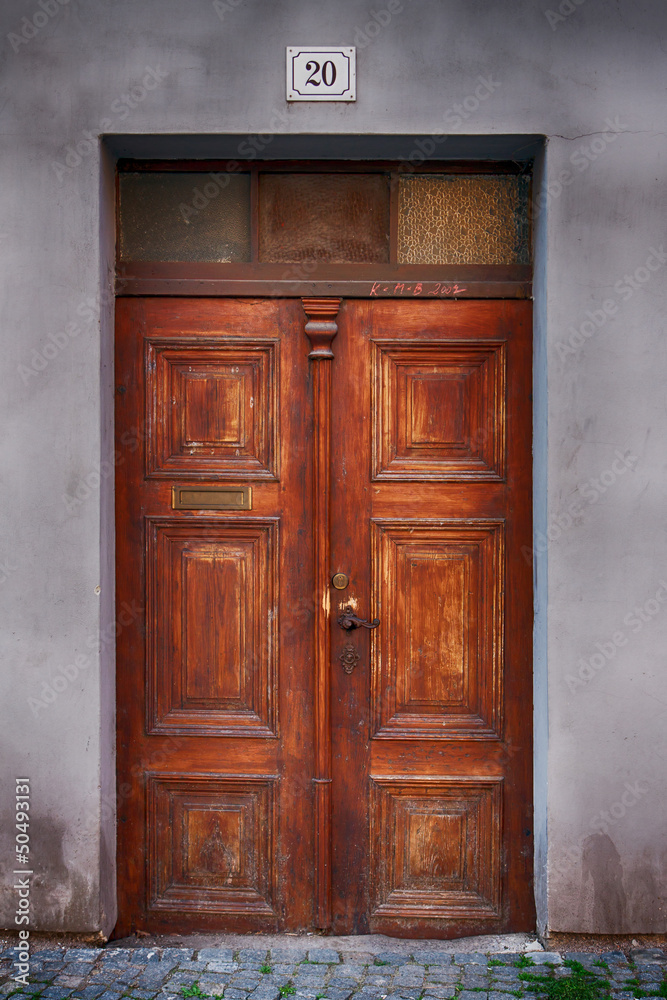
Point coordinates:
pixel 438 671
pixel 212 627
pixel 262 786
pixel 214 677
pixel 431 460
pixel 212 408
pixel 439 410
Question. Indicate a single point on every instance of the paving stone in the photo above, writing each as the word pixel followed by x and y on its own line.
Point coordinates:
pixel 495 995
pixel 77 969
pixel 233 994
pixel 408 992
pixel 584 958
pixel 72 981
pixel 647 978
pixel 151 977
pixel 212 955
pixel 244 981
pixel 443 974
pixel 334 993
pixel 648 955
pixel 475 983
pixel 288 955
pixel 355 972
pixel 546 958
pixel 142 994
pixel 471 958
pixel 91 992
pixel 109 995
pixel 265 991
pixel 440 992
pixel 83 954
pixel 184 954
pixel 391 958
pixel 469 995
pixel 38 975
pixel 324 956
pixel 252 955
pixel 218 967
pixel 213 984
pixel 623 995
pixel 56 992
pixel 432 957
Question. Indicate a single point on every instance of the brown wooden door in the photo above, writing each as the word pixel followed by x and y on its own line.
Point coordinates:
pixel 432 729
pixel 215 688
pixel 274 770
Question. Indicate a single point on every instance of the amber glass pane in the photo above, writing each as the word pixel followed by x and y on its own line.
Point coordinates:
pixel 474 219
pixel 184 216
pixel 338 218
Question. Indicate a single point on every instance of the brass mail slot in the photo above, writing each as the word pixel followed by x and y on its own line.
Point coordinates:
pixel 212 498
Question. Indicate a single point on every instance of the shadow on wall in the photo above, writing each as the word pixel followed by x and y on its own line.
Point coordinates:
pixel 62 896
pixel 614 903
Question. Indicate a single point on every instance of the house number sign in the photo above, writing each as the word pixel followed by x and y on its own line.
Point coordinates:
pixel 317 73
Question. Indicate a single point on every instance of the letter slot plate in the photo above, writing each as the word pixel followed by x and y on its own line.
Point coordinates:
pixel 211 498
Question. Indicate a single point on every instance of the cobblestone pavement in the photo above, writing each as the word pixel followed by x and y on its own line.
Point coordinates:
pixel 114 973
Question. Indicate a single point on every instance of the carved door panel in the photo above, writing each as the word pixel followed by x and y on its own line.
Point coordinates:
pixel 431 729
pixel 215 689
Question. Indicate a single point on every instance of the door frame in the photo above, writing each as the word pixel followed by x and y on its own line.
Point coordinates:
pixel 534 150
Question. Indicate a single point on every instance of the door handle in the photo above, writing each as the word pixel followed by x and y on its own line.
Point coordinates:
pixel 348 620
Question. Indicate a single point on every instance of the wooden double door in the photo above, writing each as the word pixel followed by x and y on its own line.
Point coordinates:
pixel 284 762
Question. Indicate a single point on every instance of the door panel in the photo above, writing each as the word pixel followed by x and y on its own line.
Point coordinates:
pixel 432 730
pixel 215 690
pixel 276 771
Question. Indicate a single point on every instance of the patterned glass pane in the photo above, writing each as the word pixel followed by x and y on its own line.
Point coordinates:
pixel 185 216
pixel 339 218
pixel 471 219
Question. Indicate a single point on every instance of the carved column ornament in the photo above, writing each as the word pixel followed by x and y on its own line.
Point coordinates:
pixel 321 327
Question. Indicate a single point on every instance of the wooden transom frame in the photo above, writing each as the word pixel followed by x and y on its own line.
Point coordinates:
pixel 358 280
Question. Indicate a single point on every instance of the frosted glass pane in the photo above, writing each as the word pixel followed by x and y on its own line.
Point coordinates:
pixel 338 218
pixel 184 216
pixel 455 219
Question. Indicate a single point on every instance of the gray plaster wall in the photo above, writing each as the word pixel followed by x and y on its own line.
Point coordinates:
pixel 591 78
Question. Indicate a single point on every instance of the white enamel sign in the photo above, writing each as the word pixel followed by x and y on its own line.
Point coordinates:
pixel 318 73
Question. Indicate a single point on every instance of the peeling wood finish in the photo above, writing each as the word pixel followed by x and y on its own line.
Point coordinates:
pixel 321 329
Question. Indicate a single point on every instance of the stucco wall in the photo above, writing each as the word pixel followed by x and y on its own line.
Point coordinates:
pixel 591 78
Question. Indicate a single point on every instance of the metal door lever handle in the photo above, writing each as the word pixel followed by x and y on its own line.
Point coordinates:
pixel 348 620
